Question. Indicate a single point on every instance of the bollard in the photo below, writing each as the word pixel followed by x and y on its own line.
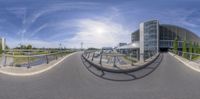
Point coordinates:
pixel 132 62
pixel 47 59
pixel 118 58
pixel 56 56
pixel 88 55
pixel 100 61
pixel 28 62
pixel 93 56
pixel 5 60
pixel 190 57
pixel 108 60
pixel 137 55
pixel 114 63
pixel 12 61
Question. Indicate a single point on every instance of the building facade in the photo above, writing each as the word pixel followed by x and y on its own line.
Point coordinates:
pixel 152 37
pixel 167 34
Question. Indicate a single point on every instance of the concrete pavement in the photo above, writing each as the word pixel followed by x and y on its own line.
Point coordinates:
pixel 191 64
pixel 24 71
pixel 72 80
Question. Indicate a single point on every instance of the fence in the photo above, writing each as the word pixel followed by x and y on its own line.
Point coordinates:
pixel 190 56
pixel 29 60
pixel 116 58
pixel 110 58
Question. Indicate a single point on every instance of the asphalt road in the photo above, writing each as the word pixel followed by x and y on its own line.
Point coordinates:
pixel 71 79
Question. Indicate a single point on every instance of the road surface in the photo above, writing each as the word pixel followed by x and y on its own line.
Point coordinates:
pixel 72 80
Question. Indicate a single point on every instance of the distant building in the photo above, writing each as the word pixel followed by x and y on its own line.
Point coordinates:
pixel 107 48
pixel 122 44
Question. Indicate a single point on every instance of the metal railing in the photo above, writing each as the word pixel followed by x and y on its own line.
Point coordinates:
pixel 29 60
pixel 114 62
pixel 149 54
pixel 195 57
pixel 111 58
pixel 116 58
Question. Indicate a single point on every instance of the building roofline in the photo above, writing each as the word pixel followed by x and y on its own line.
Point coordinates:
pixel 180 28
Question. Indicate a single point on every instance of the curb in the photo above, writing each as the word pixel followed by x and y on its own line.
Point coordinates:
pixel 120 71
pixel 186 63
pixel 36 72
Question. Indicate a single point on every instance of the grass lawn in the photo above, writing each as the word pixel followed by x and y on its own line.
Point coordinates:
pixel 39 52
pixel 23 60
pixel 129 59
pixel 19 57
pixel 195 57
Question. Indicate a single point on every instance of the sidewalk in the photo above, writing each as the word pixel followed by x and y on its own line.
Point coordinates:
pixel 24 71
pixel 188 63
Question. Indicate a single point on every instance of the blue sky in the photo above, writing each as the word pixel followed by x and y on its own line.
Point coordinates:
pixel 97 23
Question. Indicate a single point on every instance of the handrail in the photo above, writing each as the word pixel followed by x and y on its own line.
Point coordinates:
pixel 31 60
pixel 186 55
pixel 100 67
pixel 185 52
pixel 35 55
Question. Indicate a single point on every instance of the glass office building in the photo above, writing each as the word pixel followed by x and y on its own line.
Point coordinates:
pixel 149 38
pixel 166 35
pixel 152 37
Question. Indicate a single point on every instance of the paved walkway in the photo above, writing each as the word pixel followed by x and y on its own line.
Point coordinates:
pixel 24 71
pixel 71 80
pixel 193 65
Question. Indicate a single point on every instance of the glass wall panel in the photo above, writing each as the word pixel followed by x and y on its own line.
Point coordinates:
pixel 150 38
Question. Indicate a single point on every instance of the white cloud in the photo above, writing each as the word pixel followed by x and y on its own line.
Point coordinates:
pixel 33 33
pixel 182 17
pixel 92 32
pixel 99 33
pixel 35 43
pixel 62 6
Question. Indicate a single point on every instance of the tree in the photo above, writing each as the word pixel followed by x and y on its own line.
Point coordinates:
pixel 7 47
pixel 1 48
pixel 195 48
pixel 184 49
pixel 22 46
pixel 175 45
pixel 198 48
pixel 29 46
pixel 190 47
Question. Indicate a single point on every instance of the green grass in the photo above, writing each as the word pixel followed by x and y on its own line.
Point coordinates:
pixel 129 59
pixel 22 60
pixel 40 52
pixel 195 57
pixel 19 58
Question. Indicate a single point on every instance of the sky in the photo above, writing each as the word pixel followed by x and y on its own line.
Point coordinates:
pixel 96 23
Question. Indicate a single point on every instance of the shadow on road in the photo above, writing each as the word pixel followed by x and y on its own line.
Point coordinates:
pixel 124 76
